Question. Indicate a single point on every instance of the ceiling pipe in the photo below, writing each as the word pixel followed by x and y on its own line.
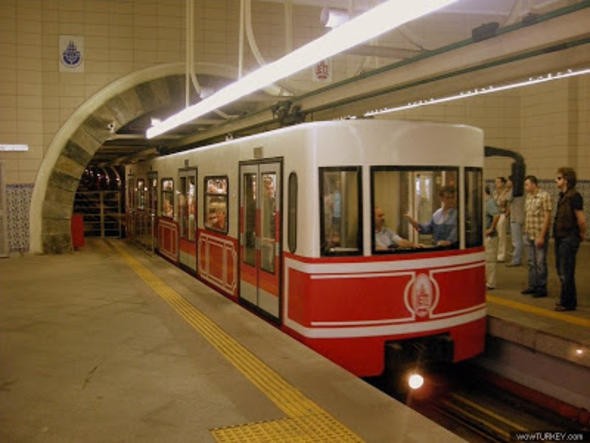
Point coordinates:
pixel 288 10
pixel 250 34
pixel 383 51
pixel 241 40
pixel 271 89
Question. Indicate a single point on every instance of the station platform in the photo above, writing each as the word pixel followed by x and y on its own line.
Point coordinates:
pixel 550 350
pixel 109 343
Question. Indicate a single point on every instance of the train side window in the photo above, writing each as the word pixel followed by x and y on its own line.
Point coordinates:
pixel 340 211
pixel 292 212
pixel 413 205
pixel 167 198
pixel 216 203
pixel 473 207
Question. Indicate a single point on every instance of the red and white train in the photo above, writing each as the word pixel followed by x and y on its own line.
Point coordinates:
pixel 283 222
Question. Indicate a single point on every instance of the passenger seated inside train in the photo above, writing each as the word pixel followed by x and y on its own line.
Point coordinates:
pixel 385 238
pixel 443 224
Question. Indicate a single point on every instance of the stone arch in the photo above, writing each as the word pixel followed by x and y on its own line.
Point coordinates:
pixel 84 132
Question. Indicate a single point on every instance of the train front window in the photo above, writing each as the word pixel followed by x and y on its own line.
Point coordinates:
pixel 414 208
pixel 340 203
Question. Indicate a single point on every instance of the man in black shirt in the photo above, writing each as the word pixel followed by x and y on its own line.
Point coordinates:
pixel 569 230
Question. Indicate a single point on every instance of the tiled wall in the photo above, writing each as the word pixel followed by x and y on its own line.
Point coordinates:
pixel 582 186
pixel 548 124
pixel 120 37
pixel 499 115
pixel 18 199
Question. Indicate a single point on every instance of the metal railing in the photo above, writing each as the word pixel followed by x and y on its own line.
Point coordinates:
pixel 141 229
pixel 102 212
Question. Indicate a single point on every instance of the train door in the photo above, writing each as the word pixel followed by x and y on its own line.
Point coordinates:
pixel 187 218
pixel 260 235
pixel 152 178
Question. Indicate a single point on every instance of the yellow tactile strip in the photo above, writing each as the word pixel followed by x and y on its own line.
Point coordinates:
pixel 543 312
pixel 305 421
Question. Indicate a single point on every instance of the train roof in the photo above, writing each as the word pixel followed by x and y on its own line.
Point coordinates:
pixel 369 124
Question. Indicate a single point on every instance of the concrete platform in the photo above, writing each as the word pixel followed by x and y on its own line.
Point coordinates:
pixel 550 351
pixel 108 344
pixel 532 322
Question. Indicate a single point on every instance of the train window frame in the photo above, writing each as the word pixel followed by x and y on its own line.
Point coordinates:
pixel 411 169
pixel 219 196
pixel 324 251
pixel 292 196
pixel 163 192
pixel 476 239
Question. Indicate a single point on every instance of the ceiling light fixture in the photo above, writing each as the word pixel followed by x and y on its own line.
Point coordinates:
pixel 481 91
pixel 332 17
pixel 376 21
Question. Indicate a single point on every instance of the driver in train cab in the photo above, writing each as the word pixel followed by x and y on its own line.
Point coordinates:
pixel 385 238
pixel 443 224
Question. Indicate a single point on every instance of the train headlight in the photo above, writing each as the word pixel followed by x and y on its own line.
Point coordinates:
pixel 415 381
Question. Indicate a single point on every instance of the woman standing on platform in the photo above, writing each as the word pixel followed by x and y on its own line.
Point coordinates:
pixel 516 214
pixel 569 230
pixel 491 239
pixel 501 195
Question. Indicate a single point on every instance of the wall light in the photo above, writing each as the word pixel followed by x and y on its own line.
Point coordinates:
pixel 481 91
pixel 380 19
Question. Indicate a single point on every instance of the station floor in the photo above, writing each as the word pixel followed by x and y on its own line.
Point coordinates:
pixel 538 348
pixel 110 344
pixel 533 322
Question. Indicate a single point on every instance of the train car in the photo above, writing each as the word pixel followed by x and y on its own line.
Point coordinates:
pixel 284 222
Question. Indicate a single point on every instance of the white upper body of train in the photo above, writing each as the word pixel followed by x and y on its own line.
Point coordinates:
pixel 306 148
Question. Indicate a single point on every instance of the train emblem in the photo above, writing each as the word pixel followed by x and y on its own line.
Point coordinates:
pixel 423 296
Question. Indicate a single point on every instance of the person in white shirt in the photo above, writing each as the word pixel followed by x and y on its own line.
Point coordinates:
pixel 385 238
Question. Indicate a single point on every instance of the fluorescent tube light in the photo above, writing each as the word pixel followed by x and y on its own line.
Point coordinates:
pixel 481 91
pixel 380 19
pixel 20 148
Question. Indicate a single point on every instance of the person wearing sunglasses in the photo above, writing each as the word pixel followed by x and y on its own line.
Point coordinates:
pixel 569 229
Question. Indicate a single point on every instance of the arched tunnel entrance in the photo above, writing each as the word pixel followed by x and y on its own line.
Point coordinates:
pixel 81 136
pixel 78 149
